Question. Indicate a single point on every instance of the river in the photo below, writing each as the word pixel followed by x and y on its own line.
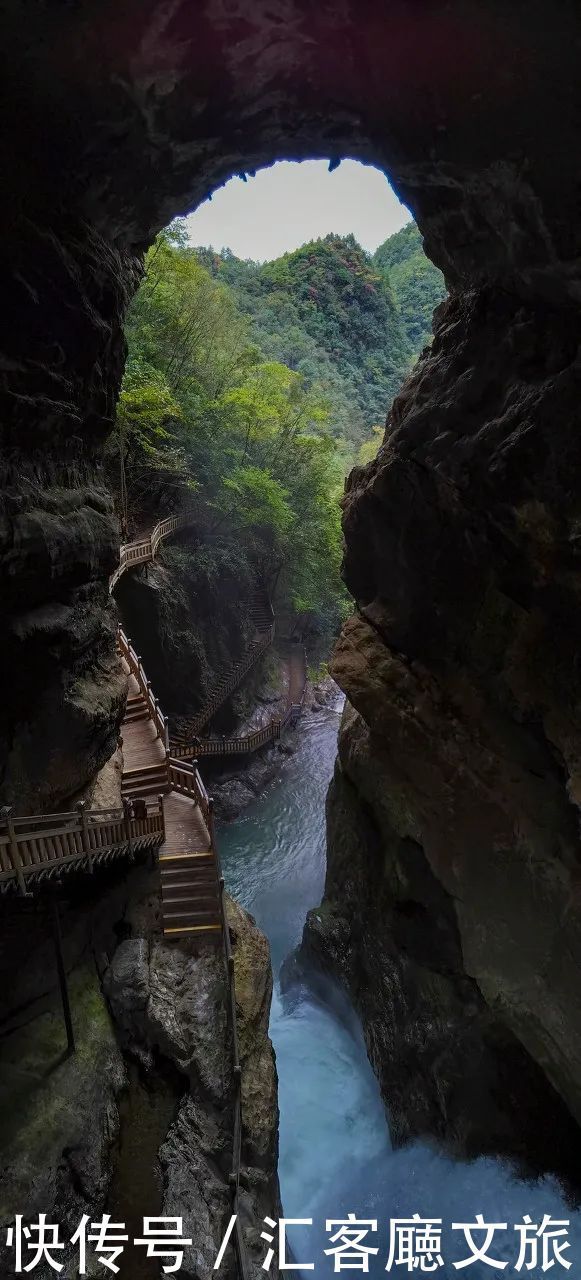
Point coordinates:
pixel 335 1151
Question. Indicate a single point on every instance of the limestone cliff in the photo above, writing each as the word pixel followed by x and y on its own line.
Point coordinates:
pixel 462 554
pixel 188 615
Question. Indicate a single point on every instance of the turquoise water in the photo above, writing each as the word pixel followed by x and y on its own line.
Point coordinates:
pixel 335 1151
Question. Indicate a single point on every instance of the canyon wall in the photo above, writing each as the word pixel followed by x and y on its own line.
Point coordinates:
pixel 462 538
pixel 140 1120
pixel 119 116
pixel 188 615
pixel 462 551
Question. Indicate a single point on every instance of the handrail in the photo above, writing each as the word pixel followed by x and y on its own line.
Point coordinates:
pixel 143 550
pixel 230 746
pixel 242 745
pixel 47 843
pixel 136 668
pixel 186 779
pixel 227 685
pixel 234 1178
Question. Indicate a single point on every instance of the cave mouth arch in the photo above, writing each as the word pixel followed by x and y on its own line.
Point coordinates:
pixel 261 215
pixel 130 116
pixel 462 542
pixel 118 120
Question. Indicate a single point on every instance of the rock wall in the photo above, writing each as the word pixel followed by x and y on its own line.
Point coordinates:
pixel 448 1064
pixel 120 115
pixel 462 538
pixel 188 616
pixel 462 554
pixel 139 1121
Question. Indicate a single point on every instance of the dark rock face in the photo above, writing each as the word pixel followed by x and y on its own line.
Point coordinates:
pixel 187 626
pixel 139 1120
pixel 462 538
pixel 64 693
pixel 447 1062
pixel 461 550
pixel 118 116
pixel 170 1007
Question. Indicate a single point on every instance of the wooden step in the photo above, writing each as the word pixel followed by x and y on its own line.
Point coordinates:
pixel 149 777
pixel 157 766
pixel 171 884
pixel 213 931
pixel 136 715
pixel 192 915
pixel 189 883
pixel 195 855
pixel 206 872
pixel 207 901
pixel 146 779
pixel 141 790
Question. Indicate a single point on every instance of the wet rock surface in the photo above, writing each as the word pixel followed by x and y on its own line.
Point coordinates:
pixel 451 971
pixel 233 793
pixel 169 1007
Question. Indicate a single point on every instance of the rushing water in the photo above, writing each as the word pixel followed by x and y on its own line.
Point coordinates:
pixel 335 1151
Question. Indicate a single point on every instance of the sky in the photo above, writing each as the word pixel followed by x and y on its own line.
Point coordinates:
pixel 290 203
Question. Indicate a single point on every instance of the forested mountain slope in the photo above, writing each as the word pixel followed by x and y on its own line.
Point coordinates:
pixel 351 325
pixel 255 387
pixel 416 283
pixel 329 314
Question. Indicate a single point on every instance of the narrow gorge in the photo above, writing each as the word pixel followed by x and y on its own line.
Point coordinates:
pixel 443 934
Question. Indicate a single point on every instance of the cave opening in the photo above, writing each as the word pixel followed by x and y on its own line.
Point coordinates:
pixel 273 328
pixel 460 665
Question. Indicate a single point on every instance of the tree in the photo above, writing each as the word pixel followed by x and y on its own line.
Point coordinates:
pixel 417 284
pixel 201 411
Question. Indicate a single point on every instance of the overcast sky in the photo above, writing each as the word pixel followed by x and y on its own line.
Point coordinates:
pixel 289 203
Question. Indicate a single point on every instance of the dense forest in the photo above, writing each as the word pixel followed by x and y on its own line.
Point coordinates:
pixel 416 283
pixel 253 388
pixel 346 322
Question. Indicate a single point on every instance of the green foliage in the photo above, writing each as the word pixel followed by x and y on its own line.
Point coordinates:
pixel 202 409
pixel 255 387
pixel 417 284
pixel 326 312
pixel 369 449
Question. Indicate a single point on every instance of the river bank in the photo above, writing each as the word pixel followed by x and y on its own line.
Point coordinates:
pixel 238 784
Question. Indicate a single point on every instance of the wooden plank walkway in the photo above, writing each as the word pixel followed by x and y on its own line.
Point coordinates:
pixel 190 890
pixel 141 745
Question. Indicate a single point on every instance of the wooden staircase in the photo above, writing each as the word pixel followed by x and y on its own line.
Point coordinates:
pixel 149 780
pixel 136 709
pixel 262 617
pixel 190 883
pixel 190 893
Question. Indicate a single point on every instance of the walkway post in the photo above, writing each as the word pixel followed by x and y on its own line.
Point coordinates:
pixel 85 834
pixel 60 964
pixel 6 815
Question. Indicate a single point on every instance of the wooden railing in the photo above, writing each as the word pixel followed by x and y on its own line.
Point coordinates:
pixel 228 684
pixel 246 744
pixel 41 846
pixel 136 668
pixel 235 678
pixel 144 549
pixel 229 746
pixel 186 779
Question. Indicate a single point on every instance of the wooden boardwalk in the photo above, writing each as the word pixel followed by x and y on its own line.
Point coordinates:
pixel 188 870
